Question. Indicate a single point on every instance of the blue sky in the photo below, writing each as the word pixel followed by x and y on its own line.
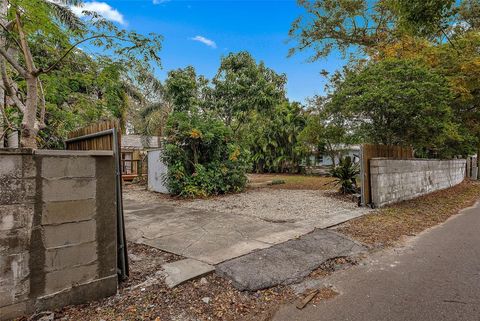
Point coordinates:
pixel 220 27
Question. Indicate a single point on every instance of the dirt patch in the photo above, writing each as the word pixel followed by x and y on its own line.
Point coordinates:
pixel 324 294
pixel 386 226
pixel 332 265
pixel 292 182
pixel 145 296
pixel 143 260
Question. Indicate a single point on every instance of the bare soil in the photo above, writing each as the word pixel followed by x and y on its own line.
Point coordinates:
pixel 145 296
pixel 293 181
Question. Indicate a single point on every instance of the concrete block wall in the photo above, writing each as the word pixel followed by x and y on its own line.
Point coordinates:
pixel 397 180
pixel 57 229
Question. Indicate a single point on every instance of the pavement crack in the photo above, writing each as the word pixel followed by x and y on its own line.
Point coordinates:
pixel 278 221
pixel 196 241
pixel 455 301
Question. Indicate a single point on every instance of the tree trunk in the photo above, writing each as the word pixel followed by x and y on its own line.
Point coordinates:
pixel 2 121
pixel 3 21
pixel 29 131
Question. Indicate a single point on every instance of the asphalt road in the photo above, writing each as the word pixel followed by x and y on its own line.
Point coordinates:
pixel 435 276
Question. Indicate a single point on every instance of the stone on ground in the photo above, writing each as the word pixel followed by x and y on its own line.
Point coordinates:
pixel 288 262
pixel 181 271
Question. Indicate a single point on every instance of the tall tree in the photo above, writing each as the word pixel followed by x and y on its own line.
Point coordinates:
pixel 241 86
pixel 185 89
pixel 398 102
pixel 27 18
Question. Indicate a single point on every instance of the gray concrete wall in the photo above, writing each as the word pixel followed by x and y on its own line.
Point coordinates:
pixel 397 180
pixel 57 229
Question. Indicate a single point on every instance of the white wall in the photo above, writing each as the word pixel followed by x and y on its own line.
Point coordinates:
pixel 157 171
pixel 397 180
pixel 327 160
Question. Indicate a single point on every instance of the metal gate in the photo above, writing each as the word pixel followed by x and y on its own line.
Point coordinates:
pixel 106 135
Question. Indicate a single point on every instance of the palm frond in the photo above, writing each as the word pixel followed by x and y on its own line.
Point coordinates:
pixel 133 92
pixel 65 16
pixel 151 108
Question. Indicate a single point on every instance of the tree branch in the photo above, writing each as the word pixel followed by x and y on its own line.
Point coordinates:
pixel 6 28
pixel 8 88
pixel 449 40
pixel 22 71
pixel 24 45
pixel 49 68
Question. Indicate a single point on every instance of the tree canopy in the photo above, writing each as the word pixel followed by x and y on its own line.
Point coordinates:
pixel 32 28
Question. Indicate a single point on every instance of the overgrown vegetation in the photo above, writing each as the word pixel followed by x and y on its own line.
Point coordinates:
pixel 398 52
pixel 51 86
pixel 202 157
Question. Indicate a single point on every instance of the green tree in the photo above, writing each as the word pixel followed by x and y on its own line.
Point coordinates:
pixel 241 86
pixel 397 102
pixel 423 17
pixel 185 90
pixel 24 20
pixel 273 139
pixel 324 133
pixel 460 65
pixel 344 26
pixel 435 19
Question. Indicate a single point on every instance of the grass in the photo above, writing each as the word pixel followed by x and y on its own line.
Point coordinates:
pixel 388 225
pixel 293 181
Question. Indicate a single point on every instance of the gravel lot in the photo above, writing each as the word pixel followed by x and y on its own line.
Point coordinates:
pixel 277 205
pixel 272 205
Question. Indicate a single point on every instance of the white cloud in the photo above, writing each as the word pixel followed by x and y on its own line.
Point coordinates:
pixel 102 8
pixel 159 1
pixel 205 41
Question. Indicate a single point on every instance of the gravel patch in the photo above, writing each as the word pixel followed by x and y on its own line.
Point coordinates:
pixel 303 207
pixel 278 206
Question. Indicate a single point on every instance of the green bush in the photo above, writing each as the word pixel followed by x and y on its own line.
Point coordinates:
pixel 345 174
pixel 277 182
pixel 202 157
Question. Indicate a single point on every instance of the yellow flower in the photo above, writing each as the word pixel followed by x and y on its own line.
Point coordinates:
pixel 235 154
pixel 195 133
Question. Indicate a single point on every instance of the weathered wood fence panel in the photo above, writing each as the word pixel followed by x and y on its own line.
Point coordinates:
pixel 472 169
pixel 104 142
pixel 370 151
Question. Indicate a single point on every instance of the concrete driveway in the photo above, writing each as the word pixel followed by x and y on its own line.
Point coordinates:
pixel 219 229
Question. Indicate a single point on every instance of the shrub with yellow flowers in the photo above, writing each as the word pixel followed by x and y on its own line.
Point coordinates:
pixel 202 157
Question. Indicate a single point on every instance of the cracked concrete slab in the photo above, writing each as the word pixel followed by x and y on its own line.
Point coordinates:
pixel 211 237
pixel 181 271
pixel 216 235
pixel 288 262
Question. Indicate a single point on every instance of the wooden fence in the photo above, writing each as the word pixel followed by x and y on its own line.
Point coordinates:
pixel 370 151
pixel 472 169
pixel 104 142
